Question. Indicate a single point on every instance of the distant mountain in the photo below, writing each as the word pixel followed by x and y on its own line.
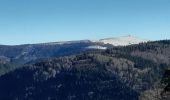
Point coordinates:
pixel 31 52
pixel 123 41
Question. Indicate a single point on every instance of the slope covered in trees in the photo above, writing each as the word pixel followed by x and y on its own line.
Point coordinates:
pixel 120 73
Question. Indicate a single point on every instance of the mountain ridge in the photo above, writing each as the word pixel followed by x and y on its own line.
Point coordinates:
pixel 123 41
pixel 129 38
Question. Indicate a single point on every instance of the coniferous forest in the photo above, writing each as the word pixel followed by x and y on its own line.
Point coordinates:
pixel 135 72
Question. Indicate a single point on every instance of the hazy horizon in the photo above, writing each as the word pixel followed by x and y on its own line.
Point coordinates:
pixel 41 21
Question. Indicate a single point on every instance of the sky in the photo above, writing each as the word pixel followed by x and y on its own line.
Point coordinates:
pixel 39 21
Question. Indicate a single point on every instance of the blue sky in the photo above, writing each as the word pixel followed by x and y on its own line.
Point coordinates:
pixel 35 21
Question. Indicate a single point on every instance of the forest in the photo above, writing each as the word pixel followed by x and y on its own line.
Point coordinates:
pixel 135 72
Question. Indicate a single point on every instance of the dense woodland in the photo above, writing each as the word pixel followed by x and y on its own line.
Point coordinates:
pixel 120 73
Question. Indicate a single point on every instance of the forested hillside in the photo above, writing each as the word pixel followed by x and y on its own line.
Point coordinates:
pixel 7 66
pixel 121 73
